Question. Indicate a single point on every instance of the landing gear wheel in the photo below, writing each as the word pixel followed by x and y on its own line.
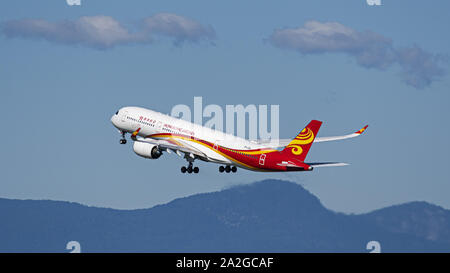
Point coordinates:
pixel 221 169
pixel 233 169
pixel 190 168
pixel 227 169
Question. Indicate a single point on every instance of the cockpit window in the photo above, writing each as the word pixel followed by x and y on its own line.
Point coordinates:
pixel 117 112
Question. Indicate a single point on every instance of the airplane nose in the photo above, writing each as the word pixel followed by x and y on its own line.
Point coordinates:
pixel 114 120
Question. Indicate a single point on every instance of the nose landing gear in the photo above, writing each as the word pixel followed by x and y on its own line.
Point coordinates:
pixel 123 140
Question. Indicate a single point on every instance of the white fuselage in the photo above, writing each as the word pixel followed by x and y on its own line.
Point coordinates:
pixel 152 124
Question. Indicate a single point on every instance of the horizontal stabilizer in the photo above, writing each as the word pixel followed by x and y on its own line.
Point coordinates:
pixel 326 164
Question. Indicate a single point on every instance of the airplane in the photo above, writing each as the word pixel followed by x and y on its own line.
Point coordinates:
pixel 154 133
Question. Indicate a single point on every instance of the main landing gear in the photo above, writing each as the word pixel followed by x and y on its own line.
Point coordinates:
pixel 123 140
pixel 227 169
pixel 190 169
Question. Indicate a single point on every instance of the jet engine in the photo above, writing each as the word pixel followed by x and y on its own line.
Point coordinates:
pixel 146 150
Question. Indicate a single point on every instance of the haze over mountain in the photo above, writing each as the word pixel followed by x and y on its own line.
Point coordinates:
pixel 266 216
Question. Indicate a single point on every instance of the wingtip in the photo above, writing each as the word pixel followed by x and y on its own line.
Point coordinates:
pixel 362 130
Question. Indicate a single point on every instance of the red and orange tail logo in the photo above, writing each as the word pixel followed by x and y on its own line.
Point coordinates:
pixel 300 145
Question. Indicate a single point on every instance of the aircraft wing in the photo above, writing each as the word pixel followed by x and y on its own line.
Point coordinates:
pixel 332 138
pixel 283 142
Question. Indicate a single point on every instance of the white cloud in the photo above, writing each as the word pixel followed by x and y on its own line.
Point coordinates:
pixel 103 32
pixel 178 27
pixel 420 68
pixel 371 50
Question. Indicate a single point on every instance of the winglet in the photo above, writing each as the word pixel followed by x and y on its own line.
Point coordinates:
pixel 362 130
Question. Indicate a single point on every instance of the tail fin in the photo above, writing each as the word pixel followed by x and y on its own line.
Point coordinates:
pixel 299 146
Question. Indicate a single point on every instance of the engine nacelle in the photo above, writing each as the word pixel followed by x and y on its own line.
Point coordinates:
pixel 146 150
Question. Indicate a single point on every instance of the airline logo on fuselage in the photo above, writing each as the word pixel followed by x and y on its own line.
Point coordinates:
pixel 169 126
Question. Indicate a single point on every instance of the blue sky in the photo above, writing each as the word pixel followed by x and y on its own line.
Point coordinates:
pixel 59 88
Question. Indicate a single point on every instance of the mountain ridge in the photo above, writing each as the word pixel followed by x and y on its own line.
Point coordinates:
pixel 265 216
